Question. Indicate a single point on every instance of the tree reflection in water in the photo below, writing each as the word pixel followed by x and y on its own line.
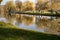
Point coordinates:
pixel 27 20
pixel 7 17
pixel 41 23
pixel 18 18
pixel 50 27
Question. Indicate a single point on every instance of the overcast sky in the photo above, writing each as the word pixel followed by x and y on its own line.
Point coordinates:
pixel 4 1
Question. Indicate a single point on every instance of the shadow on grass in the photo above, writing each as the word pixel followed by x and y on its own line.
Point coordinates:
pixel 19 34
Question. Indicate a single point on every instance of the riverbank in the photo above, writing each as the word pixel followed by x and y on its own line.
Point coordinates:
pixel 9 33
pixel 6 25
pixel 19 34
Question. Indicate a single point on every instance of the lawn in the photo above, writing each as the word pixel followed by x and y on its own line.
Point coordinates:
pixel 20 34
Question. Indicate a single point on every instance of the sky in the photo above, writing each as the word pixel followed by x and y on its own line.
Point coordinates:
pixel 4 1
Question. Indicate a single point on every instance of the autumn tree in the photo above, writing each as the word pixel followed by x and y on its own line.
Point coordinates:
pixel 41 5
pixel 10 7
pixel 0 5
pixel 37 5
pixel 1 1
pixel 19 5
pixel 55 4
pixel 28 6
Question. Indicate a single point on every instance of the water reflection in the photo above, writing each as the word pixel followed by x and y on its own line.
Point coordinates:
pixel 30 22
pixel 27 20
pixel 18 18
pixel 52 28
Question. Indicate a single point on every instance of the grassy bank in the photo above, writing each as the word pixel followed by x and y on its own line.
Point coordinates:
pixel 6 25
pixel 20 34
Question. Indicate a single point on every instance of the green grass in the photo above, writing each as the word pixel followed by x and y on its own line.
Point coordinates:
pixel 6 25
pixel 20 34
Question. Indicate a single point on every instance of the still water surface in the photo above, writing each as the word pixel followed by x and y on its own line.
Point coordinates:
pixel 36 23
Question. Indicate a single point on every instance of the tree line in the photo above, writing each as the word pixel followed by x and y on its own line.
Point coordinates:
pixel 30 6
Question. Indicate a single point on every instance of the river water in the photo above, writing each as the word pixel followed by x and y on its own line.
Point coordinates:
pixel 36 23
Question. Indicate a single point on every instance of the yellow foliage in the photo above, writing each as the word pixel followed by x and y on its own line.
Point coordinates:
pixel 9 5
pixel 28 6
pixel 19 5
